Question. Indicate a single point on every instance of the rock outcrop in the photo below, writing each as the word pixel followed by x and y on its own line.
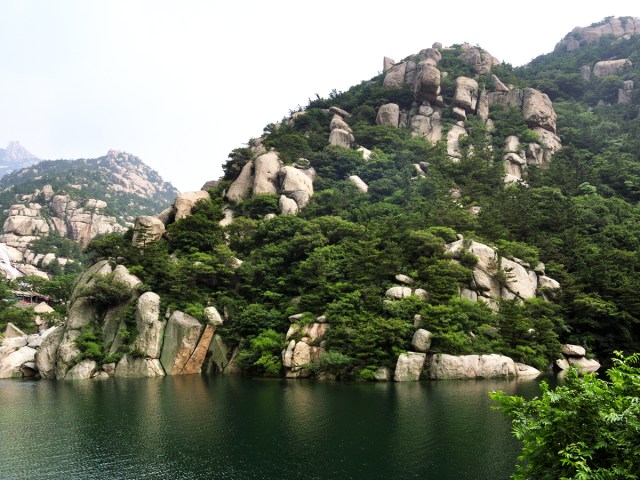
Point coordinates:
pixel 617 27
pixel 574 356
pixel 445 367
pixel 301 354
pixel 409 367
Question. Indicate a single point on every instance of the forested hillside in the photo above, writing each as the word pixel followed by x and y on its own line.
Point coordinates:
pixel 442 195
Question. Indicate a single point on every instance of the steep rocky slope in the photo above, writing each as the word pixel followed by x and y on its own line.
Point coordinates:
pixel 75 200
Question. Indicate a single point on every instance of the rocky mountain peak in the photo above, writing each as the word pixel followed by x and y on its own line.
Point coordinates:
pixel 15 156
pixel 617 27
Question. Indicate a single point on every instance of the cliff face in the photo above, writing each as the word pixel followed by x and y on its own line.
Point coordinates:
pixel 75 200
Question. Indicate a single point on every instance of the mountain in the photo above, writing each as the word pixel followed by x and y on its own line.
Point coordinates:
pixel 51 204
pixel 15 156
pixel 452 217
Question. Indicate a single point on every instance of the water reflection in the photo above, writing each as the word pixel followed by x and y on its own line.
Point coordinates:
pixel 238 428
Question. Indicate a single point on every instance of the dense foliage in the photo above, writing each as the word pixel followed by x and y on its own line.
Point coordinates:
pixel 588 428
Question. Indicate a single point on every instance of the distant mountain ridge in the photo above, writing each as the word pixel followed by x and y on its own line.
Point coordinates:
pixel 15 156
pixel 74 200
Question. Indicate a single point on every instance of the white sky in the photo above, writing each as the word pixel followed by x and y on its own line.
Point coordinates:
pixel 182 83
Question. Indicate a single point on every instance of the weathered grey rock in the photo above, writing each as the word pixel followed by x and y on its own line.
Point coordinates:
pixel 573 350
pixel 483 106
pixel 218 355
pixel 523 370
pixel 165 215
pixel 606 68
pixel 421 341
pixel 428 86
pixel 288 206
pixel 138 367
pixel 383 374
pixel 81 313
pixel 359 184
pixel 388 114
pixel 339 111
pixel 240 189
pixel 212 316
pixel 480 60
pixel 150 325
pixel 459 113
pixel 10 364
pixel 180 339
pixel 469 295
pixel 395 76
pixel 81 371
pixel 341 138
pixel 538 110
pixel 398 293
pixel 185 202
pixel 46 355
pixel 228 217
pixel 409 367
pixel 519 281
pixel 366 153
pixel 338 122
pixel 147 229
pixel 442 366
pixel 387 63
pixel 266 169
pixel 466 94
pixel 122 274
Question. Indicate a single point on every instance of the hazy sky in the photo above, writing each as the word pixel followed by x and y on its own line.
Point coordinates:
pixel 182 83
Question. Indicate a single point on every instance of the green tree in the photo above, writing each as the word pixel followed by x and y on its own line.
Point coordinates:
pixel 588 428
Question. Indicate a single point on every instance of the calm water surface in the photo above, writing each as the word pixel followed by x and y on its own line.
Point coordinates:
pixel 238 428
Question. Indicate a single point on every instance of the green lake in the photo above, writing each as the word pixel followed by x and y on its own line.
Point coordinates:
pixel 198 427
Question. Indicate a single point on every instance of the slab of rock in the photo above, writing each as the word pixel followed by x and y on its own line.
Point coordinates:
pixel 240 189
pixel 573 350
pixel 194 365
pixel 218 355
pixel 11 331
pixel 404 279
pixel 387 63
pixel 584 364
pixel 338 122
pixel 562 364
pixel 523 370
pixel 212 316
pixel 359 183
pixel 395 76
pixel 442 366
pixel 180 340
pixel 409 367
pixel 606 68
pixel 421 294
pixel 421 341
pixel 550 283
pixel 296 184
pixel 45 357
pixel 383 374
pixel 498 85
pixel 453 141
pixel 339 111
pixel 138 367
pixel 287 205
pixel 388 114
pixel 150 325
pixel 185 202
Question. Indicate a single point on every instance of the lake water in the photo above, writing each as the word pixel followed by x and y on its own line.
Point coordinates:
pixel 239 428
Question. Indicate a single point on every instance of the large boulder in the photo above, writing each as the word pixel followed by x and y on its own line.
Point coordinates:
pixel 388 114
pixel 584 364
pixel 147 229
pixel 573 350
pixel 610 67
pixel 240 189
pixel 409 367
pixel 398 292
pixel 180 340
pixel 297 185
pixel 421 341
pixel 265 174
pixel 359 183
pixel 538 110
pixel 288 206
pixel 428 86
pixel 442 366
pixel 466 94
pixel 341 138
pixel 130 366
pixel 150 325
pixel 185 202
pixel 453 141
pixel 395 76
pixel 338 122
